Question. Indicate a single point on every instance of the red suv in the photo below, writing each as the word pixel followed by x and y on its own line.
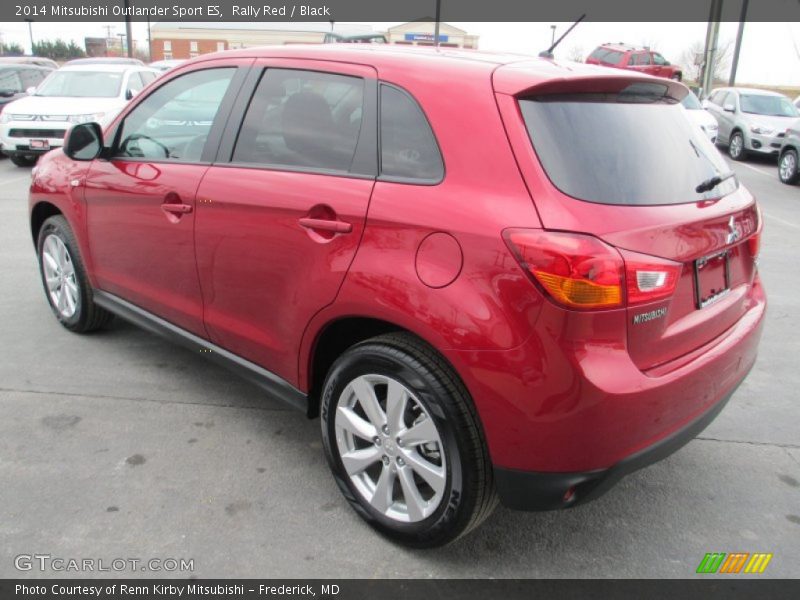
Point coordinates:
pixel 490 277
pixel 643 60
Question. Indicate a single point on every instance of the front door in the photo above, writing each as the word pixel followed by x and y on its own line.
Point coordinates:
pixel 280 217
pixel 141 201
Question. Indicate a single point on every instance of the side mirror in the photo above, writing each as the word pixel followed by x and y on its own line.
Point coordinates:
pixel 729 108
pixel 84 141
pixel 129 94
pixel 31 90
pixel 705 104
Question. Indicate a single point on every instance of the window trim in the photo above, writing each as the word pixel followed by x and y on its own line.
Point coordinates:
pixel 365 157
pixel 408 180
pixel 215 133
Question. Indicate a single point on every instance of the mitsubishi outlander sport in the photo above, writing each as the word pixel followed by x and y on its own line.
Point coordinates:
pixel 490 277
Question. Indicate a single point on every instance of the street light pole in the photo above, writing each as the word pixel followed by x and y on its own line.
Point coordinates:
pixel 128 28
pixel 436 27
pixel 553 37
pixel 738 47
pixel 30 33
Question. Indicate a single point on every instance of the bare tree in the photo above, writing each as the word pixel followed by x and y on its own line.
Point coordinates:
pixel 692 61
pixel 576 53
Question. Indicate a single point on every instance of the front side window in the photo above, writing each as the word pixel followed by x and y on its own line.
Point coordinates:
pixel 659 60
pixel 302 119
pixel 31 78
pixel 10 82
pixel 135 83
pixel 408 148
pixel 82 84
pixel 174 121
pixel 613 57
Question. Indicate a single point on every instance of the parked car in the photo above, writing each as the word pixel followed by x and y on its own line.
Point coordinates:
pixel 643 60
pixel 38 61
pixel 33 125
pixel 751 120
pixel 526 311
pixel 166 65
pixel 700 116
pixel 788 169
pixel 362 38
pixel 104 60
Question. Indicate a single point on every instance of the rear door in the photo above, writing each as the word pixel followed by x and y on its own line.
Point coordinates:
pixel 625 166
pixel 141 201
pixel 280 214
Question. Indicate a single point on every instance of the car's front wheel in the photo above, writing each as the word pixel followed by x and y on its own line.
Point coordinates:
pixel 64 278
pixel 404 443
pixel 787 167
pixel 736 146
pixel 23 161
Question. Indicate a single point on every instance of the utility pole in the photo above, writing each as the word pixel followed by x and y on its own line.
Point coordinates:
pixel 128 27
pixel 436 27
pixel 149 42
pixel 738 47
pixel 712 37
pixel 30 33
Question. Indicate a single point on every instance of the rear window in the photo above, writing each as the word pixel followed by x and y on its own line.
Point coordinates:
pixel 636 147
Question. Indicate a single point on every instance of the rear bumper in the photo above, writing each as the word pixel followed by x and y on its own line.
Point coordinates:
pixel 523 490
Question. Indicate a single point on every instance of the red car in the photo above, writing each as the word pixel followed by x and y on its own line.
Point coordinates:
pixel 643 60
pixel 490 277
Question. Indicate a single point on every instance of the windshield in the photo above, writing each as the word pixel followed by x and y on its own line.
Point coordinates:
pixel 604 148
pixel 81 84
pixel 773 106
pixel 690 102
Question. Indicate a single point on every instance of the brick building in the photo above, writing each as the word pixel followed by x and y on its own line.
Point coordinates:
pixel 186 40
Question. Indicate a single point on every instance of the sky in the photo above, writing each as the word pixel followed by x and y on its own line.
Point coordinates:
pixel 770 52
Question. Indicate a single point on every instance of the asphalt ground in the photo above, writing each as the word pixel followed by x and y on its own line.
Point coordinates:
pixel 121 445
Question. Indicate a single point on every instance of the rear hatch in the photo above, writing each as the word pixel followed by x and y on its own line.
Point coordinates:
pixel 616 157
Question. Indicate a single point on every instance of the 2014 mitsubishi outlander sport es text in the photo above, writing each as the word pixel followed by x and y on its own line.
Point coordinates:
pixel 490 276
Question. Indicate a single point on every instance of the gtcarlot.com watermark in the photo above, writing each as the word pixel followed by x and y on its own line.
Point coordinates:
pixel 49 563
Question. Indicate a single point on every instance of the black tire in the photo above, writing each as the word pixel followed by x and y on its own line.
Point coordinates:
pixel 23 161
pixel 677 77
pixel 788 171
pixel 741 153
pixel 469 496
pixel 87 315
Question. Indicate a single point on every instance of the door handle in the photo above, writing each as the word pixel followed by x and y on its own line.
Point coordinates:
pixel 326 225
pixel 181 209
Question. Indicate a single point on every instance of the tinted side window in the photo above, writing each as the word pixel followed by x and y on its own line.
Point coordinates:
pixel 613 57
pixel 147 77
pixel 408 148
pixel 135 83
pixel 173 122
pixel 302 119
pixel 10 81
pixel 31 77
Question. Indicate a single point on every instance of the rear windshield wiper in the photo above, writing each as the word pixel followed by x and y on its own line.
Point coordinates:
pixel 712 182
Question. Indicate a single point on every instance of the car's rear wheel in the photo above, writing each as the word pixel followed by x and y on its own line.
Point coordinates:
pixel 787 167
pixel 736 146
pixel 64 278
pixel 677 77
pixel 404 442
pixel 23 161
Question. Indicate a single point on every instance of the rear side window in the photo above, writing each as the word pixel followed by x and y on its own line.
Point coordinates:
pixel 629 148
pixel 408 148
pixel 10 82
pixel 613 57
pixel 302 119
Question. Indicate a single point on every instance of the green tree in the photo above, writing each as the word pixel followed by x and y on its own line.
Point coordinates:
pixel 12 49
pixel 58 49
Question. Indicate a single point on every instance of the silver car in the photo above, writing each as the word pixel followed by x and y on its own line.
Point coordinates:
pixel 751 121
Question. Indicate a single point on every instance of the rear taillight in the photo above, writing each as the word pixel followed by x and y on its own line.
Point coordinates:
pixel 580 271
pixel 754 244
pixel 649 278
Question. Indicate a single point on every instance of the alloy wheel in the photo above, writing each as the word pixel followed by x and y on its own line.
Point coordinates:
pixel 390 448
pixel 59 275
pixel 737 143
pixel 788 166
